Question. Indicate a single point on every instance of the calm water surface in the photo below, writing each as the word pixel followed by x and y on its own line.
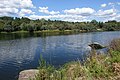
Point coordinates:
pixel 22 51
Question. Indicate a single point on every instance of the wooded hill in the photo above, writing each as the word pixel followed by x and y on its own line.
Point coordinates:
pixel 11 24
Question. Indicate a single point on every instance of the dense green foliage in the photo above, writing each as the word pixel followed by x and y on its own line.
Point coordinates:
pixel 10 24
pixel 96 67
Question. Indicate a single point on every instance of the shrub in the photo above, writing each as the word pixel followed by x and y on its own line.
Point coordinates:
pixel 115 45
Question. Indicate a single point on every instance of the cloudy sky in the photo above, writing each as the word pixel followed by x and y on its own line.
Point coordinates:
pixel 67 10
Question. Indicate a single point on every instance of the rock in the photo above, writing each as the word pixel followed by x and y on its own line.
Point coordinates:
pixel 96 45
pixel 28 74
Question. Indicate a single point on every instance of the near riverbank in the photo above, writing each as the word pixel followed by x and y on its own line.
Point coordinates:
pixel 95 67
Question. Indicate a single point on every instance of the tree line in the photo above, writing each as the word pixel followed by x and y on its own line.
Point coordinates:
pixel 11 24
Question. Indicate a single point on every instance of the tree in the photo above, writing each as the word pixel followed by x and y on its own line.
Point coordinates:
pixel 8 27
pixel 6 18
pixel 9 24
pixel 30 28
pixel 100 25
pixel 23 26
pixel 15 24
pixel 24 19
pixel 94 22
pixel 1 25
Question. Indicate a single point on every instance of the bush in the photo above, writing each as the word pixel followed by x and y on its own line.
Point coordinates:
pixel 115 57
pixel 115 45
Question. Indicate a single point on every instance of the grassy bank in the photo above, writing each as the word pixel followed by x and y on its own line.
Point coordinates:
pixel 50 31
pixel 95 67
pixel 43 31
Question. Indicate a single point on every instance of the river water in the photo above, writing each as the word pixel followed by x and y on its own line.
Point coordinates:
pixel 22 51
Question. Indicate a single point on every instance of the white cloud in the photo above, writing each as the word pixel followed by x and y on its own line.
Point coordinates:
pixel 80 11
pixel 54 12
pixel 45 10
pixel 22 8
pixel 16 4
pixel 12 7
pixel 118 3
pixel 9 3
pixel 79 15
pixel 26 4
pixel 103 5
pixel 106 13
pixel 8 11
pixel 110 3
pixel 23 12
pixel 117 17
pixel 63 17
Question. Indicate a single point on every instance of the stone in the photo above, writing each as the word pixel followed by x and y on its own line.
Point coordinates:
pixel 96 45
pixel 28 74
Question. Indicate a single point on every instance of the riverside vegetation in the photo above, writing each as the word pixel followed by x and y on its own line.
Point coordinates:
pixel 11 24
pixel 95 67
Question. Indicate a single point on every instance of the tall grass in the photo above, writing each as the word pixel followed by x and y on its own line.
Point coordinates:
pixel 96 67
pixel 115 45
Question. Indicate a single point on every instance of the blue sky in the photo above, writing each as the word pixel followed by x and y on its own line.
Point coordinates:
pixel 67 10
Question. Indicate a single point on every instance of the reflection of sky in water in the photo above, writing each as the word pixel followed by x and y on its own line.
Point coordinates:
pixel 17 50
pixel 24 53
pixel 26 49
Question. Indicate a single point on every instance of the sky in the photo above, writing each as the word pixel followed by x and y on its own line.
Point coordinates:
pixel 65 10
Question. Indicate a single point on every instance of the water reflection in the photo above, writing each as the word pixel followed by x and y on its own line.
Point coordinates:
pixel 23 53
pixel 10 36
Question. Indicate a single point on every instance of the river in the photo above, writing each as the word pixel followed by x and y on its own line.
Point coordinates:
pixel 22 51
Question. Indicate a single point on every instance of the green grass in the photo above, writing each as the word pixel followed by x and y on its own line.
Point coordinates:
pixel 43 31
pixel 48 31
